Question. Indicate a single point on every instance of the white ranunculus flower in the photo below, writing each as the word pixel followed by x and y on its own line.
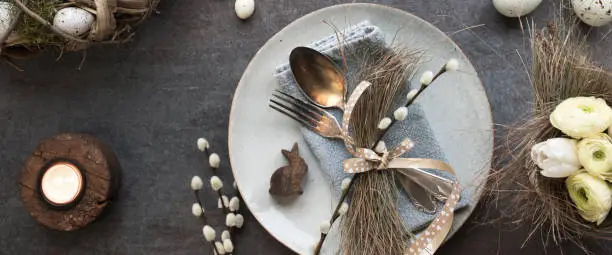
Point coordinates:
pixel 595 154
pixel 591 195
pixel 557 157
pixel 581 117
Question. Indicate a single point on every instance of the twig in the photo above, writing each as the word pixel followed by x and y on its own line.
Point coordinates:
pixel 11 63
pixel 82 59
pixel 411 100
pixel 464 29
pixel 336 215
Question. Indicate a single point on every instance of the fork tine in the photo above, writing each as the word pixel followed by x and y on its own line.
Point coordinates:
pixel 304 114
pixel 309 105
pixel 300 105
pixel 288 114
pixel 296 115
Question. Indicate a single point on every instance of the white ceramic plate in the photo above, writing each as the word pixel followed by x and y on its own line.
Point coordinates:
pixel 456 106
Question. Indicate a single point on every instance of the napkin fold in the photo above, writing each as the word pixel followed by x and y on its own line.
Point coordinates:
pixel 331 153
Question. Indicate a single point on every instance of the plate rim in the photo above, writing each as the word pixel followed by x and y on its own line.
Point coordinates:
pixel 479 189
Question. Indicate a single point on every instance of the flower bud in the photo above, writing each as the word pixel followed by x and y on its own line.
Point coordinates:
pixel 196 183
pixel 427 78
pixel 384 123
pixel 230 220
pixel 203 144
pixel 557 157
pixel 214 160
pixel 412 94
pixel 225 235
pixel 324 227
pixel 239 220
pixel 234 204
pixel 401 113
pixel 452 65
pixel 381 147
pixel 216 183
pixel 209 233
pixel 345 184
pixel 197 210
pixel 220 248
pixel 228 245
pixel 343 208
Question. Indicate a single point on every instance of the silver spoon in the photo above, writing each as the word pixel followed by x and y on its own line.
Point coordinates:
pixel 317 76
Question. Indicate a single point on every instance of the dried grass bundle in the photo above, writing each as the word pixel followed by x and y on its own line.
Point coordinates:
pixel 561 69
pixel 372 224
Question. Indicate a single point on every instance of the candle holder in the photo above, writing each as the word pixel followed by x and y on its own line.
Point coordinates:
pixel 69 180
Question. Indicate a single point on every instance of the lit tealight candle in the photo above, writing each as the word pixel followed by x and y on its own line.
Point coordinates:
pixel 61 183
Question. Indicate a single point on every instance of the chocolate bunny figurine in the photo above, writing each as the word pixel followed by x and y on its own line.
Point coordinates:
pixel 286 181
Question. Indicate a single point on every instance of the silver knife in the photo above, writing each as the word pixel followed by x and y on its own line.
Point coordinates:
pixel 437 186
pixel 420 197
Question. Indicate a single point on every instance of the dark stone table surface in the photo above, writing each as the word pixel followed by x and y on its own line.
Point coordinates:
pixel 152 98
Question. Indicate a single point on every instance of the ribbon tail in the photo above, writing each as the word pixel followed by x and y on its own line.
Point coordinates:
pixel 419 196
pixel 432 238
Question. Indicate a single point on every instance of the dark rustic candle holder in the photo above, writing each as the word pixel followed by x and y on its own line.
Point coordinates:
pixel 100 171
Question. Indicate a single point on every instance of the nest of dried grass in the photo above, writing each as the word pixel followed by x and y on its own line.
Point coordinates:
pixel 561 68
pixel 32 30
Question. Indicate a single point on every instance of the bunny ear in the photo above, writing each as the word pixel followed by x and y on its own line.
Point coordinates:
pixel 295 148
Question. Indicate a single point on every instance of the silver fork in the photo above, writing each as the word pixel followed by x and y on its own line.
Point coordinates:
pixel 313 117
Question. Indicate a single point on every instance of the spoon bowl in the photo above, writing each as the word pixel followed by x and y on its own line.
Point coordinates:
pixel 318 77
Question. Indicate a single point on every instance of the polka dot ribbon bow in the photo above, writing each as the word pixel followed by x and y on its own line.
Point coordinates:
pixel 428 241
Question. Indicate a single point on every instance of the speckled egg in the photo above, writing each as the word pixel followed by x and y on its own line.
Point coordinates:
pixel 593 12
pixel 6 16
pixel 244 8
pixel 515 8
pixel 74 21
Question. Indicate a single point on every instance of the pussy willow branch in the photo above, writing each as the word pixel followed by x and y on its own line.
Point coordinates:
pixel 345 192
pixel 421 89
pixel 225 207
pixel 203 217
pixel 219 192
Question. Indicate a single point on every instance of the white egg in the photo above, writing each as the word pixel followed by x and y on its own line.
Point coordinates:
pixel 244 8
pixel 593 12
pixel 515 8
pixel 7 15
pixel 74 21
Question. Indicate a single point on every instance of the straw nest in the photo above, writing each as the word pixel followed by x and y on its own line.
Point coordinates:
pixel 561 68
pixel 30 26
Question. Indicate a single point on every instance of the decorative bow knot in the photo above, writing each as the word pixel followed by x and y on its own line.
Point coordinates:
pixel 367 160
pixel 384 161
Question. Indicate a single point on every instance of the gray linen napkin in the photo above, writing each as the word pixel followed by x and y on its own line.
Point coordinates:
pixel 331 153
